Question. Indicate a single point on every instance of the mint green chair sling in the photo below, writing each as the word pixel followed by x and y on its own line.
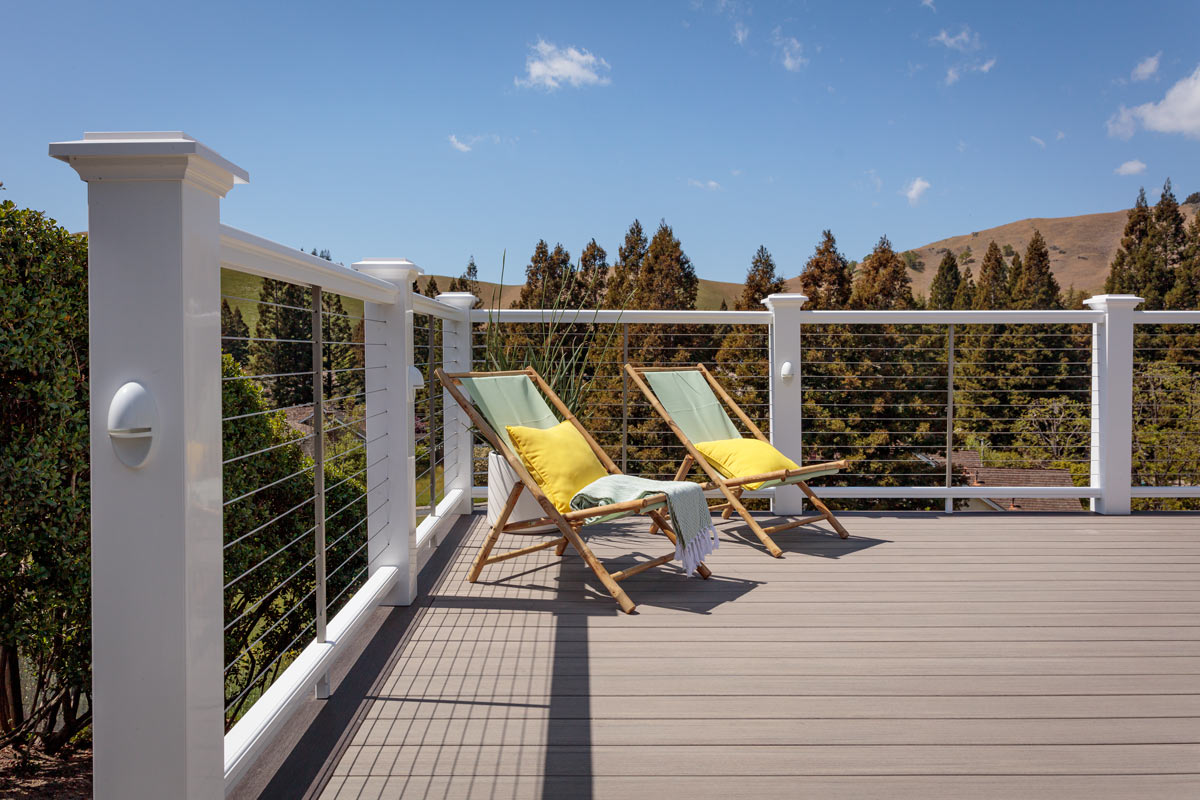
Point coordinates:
pixel 694 404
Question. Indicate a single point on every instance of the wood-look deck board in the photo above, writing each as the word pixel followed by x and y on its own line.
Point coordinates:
pixel 982 656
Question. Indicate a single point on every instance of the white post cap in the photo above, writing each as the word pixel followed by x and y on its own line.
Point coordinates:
pixel 149 156
pixel 1102 302
pixel 457 299
pixel 399 271
pixel 785 300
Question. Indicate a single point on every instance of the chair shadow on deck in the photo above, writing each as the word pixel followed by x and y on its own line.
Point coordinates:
pixel 810 540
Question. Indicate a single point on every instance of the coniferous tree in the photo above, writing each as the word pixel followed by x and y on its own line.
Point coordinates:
pixel 667 279
pixel 882 282
pixel 964 296
pixel 992 290
pixel 827 276
pixel 761 280
pixel 588 288
pixel 431 287
pixel 625 273
pixel 1167 242
pixel 1015 269
pixel 235 327
pixel 945 283
pixel 1185 294
pixel 1121 273
pixel 281 346
pixel 1037 288
pixel 742 358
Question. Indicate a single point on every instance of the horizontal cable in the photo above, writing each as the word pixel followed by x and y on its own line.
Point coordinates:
pixel 263 377
pixel 267 411
pixel 269 485
pixel 268 558
pixel 267 303
pixel 270 522
pixel 265 339
pixel 345 588
pixel 269 449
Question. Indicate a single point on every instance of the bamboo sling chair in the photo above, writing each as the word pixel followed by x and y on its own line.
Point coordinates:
pixel 494 400
pixel 693 403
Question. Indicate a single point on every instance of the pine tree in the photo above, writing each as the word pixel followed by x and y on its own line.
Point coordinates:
pixel 827 277
pixel 1167 243
pixel 992 290
pixel 964 296
pixel 625 274
pixel 1185 294
pixel 741 361
pixel 1037 287
pixel 761 280
pixel 1015 269
pixel 469 282
pixel 1132 250
pixel 337 350
pixel 284 315
pixel 882 282
pixel 588 289
pixel 945 283
pixel 235 327
pixel 667 279
pixel 431 287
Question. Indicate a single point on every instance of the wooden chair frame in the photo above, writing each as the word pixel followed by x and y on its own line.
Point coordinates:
pixel 732 488
pixel 569 524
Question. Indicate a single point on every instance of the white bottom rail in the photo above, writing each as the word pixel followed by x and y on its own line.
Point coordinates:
pixel 254 731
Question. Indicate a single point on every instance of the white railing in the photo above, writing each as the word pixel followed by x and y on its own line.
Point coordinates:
pixel 156 246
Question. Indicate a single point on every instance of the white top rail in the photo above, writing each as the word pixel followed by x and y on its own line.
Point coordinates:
pixel 609 316
pixel 947 317
pixel 436 308
pixel 246 252
pixel 1166 317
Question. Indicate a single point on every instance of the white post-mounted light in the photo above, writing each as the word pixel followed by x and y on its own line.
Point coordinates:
pixel 132 420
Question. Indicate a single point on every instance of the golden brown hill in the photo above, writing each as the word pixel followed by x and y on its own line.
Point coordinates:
pixel 1081 248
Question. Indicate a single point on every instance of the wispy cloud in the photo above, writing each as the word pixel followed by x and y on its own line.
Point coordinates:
pixel 790 50
pixel 928 4
pixel 956 72
pixel 1039 142
pixel 549 67
pixel 914 189
pixel 875 180
pixel 709 185
pixel 965 41
pixel 1134 167
pixel 1146 68
pixel 740 33
pixel 962 146
pixel 1058 137
pixel 1177 112
pixel 467 143
pixel 737 173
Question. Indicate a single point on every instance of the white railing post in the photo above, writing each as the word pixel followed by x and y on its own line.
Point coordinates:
pixel 391 459
pixel 1112 402
pixel 456 433
pixel 154 316
pixel 786 419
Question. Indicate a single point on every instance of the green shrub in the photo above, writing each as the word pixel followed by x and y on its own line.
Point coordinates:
pixel 44 481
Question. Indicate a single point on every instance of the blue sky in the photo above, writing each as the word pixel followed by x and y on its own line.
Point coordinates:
pixel 441 131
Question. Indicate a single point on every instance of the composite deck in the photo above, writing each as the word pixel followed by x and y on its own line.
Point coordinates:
pixel 965 656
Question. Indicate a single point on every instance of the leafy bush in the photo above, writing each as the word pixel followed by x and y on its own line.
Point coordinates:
pixel 44 481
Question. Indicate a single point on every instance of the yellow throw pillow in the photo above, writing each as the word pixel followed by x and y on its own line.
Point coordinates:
pixel 558 458
pixel 737 458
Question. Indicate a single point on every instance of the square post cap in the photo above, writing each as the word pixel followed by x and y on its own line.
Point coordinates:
pixel 464 300
pixel 784 300
pixel 149 156
pixel 399 271
pixel 1105 302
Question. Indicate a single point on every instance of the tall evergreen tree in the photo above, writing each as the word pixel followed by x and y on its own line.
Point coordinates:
pixel 761 280
pixel 1015 270
pixel 741 361
pixel 945 283
pixel 992 290
pixel 590 277
pixel 827 276
pixel 625 273
pixel 469 282
pixel 282 333
pixel 964 295
pixel 235 327
pixel 1185 294
pixel 1037 288
pixel 1121 272
pixel 431 287
pixel 667 279
pixel 882 282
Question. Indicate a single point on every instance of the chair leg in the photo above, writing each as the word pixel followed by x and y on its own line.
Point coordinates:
pixel 762 535
pixel 562 547
pixel 661 522
pixel 589 557
pixel 728 512
pixel 481 557
pixel 684 468
pixel 824 509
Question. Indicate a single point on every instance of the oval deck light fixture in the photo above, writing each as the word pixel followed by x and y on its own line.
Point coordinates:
pixel 132 417
pixel 785 371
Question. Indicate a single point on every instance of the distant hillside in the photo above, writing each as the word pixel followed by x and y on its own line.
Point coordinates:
pixel 1081 248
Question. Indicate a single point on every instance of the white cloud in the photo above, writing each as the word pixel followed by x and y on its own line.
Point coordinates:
pixel 791 52
pixel 467 143
pixel 709 185
pixel 964 41
pixel 740 33
pixel 956 72
pixel 1039 142
pixel 986 66
pixel 928 4
pixel 1058 137
pixel 549 66
pixel 915 188
pixel 461 147
pixel 736 172
pixel 1134 167
pixel 1177 112
pixel 1146 68
pixel 952 76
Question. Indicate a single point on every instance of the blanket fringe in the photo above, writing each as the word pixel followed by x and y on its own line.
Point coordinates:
pixel 695 551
